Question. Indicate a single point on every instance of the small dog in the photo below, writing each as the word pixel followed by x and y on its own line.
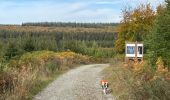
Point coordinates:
pixel 105 85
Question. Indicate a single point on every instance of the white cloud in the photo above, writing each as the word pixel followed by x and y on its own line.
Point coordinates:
pixel 109 2
pixel 135 3
pixel 80 11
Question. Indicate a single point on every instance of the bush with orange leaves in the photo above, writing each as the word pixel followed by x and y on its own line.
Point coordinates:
pixel 145 82
pixel 19 76
pixel 160 66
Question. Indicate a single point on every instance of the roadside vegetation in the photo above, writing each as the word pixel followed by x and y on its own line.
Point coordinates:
pixel 138 81
pixel 148 79
pixel 34 54
pixel 24 77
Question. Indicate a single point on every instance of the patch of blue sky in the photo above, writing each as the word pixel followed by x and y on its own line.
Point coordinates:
pixel 18 11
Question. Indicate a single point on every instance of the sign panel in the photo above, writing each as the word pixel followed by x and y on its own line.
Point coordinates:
pixel 133 49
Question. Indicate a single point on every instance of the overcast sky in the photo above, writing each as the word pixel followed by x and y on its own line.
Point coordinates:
pixel 18 11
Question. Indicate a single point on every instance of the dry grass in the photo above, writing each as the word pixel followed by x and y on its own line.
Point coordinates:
pixel 117 74
pixel 55 29
pixel 137 82
pixel 23 78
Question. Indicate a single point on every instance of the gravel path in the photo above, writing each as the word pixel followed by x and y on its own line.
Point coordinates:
pixel 82 83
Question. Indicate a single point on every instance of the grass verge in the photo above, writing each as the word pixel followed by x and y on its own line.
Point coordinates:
pixel 40 85
pixel 144 84
pixel 22 78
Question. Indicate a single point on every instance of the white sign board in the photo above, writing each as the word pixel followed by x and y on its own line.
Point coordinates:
pixel 131 50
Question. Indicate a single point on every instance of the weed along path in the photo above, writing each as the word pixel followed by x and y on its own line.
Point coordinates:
pixel 82 83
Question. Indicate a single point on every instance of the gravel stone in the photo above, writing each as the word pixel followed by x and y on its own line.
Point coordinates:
pixel 82 83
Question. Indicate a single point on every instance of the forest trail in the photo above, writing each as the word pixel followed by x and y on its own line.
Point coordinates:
pixel 82 83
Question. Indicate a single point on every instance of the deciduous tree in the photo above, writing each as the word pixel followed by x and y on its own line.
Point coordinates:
pixel 134 25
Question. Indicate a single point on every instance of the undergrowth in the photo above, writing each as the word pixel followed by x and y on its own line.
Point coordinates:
pixel 22 78
pixel 138 81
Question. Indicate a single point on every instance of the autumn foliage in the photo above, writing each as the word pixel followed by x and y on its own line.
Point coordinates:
pixel 135 25
pixel 148 79
pixel 19 76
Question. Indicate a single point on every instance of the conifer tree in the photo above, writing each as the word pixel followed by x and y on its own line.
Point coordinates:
pixel 158 41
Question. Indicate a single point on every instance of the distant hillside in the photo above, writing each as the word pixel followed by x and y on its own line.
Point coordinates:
pixel 98 42
pixel 70 24
pixel 55 29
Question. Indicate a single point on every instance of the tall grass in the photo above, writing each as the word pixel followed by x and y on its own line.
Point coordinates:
pixel 138 82
pixel 24 77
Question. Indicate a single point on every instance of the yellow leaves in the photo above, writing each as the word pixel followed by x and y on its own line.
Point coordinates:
pixel 40 57
pixel 138 66
pixel 119 45
pixel 167 76
pixel 66 54
pixel 35 66
pixel 134 25
pixel 160 66
pixel 161 71
pixel 155 77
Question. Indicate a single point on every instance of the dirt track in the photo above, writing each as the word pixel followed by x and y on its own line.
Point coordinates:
pixel 82 83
